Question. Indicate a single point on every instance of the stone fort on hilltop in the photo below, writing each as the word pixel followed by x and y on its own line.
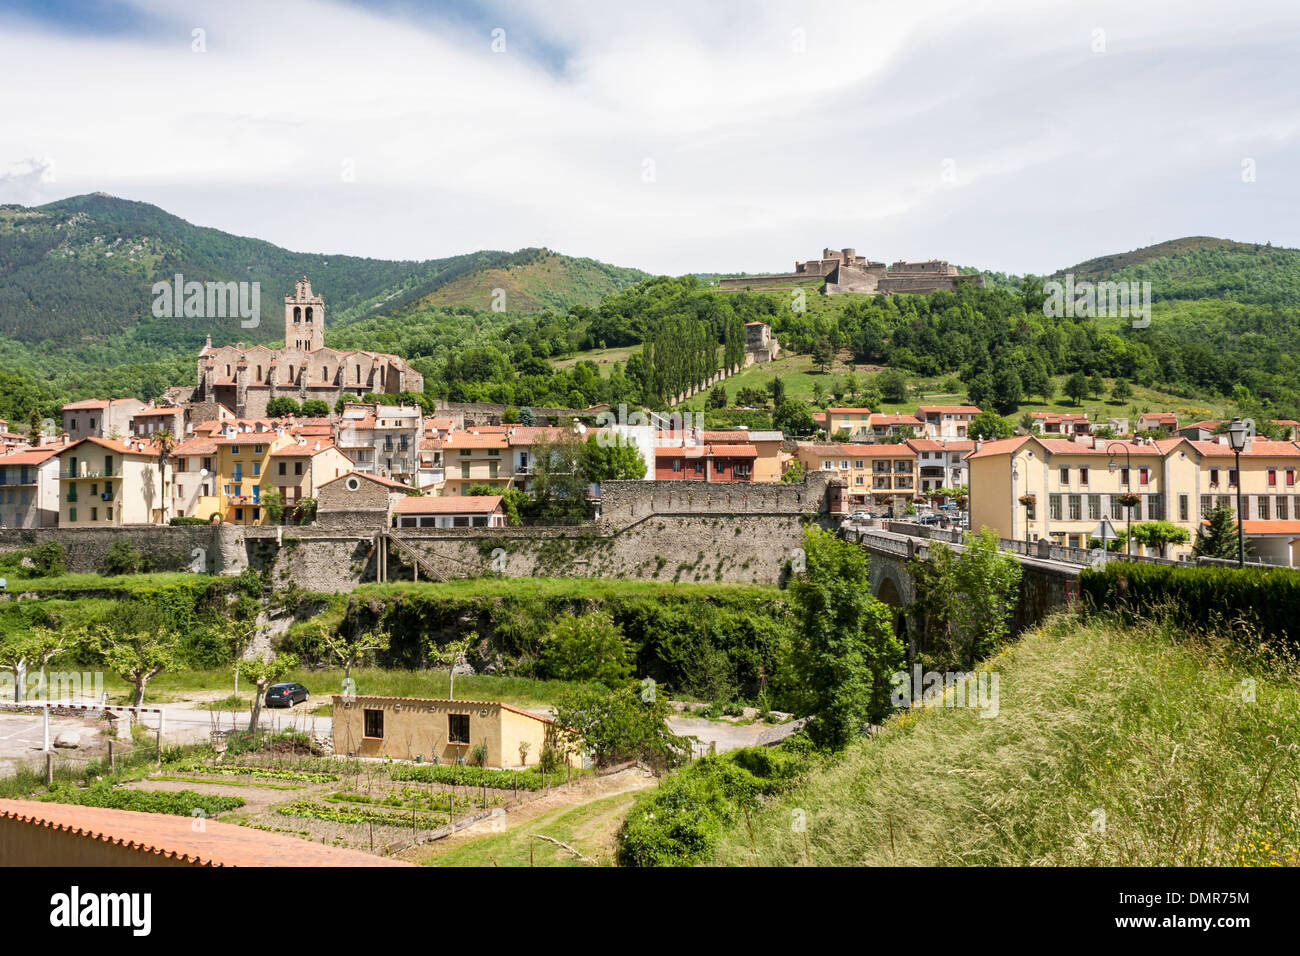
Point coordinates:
pixel 245 378
pixel 846 271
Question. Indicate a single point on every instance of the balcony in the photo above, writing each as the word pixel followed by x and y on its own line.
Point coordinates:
pixel 80 473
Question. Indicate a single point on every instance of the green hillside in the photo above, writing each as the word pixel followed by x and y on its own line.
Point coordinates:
pixel 1110 747
pixel 533 280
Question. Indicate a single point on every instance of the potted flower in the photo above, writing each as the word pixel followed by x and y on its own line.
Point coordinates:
pixel 1130 500
pixel 1028 500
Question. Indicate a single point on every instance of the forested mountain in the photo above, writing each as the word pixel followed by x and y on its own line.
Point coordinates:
pixel 76 298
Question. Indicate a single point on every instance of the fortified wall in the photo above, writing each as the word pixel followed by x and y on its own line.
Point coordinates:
pixel 664 531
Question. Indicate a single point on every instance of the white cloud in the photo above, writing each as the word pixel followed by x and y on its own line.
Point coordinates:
pixel 763 153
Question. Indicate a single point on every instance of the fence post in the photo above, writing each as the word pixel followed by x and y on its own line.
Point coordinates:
pixel 157 748
pixel 49 769
pixel 112 764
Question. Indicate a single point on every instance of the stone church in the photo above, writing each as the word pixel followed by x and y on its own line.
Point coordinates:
pixel 244 379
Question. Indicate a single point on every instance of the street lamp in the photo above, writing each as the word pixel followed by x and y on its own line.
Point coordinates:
pixel 1237 434
pixel 1128 490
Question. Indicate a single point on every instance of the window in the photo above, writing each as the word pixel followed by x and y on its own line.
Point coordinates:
pixel 1184 506
pixel 1232 477
pixel 1144 476
pixel 1290 476
pixel 1123 477
pixel 1116 509
pixel 1272 477
pixel 464 469
pixel 94 514
pixel 858 480
pixel 1245 508
pixel 1156 508
pixel 257 449
pixel 239 514
pixel 1083 474
pixel 677 465
pixel 1094 507
pixel 1075 504
pixel 844 465
pixel 857 463
pixel 234 449
pixel 1065 477
pixel 72 514
pixel 375 724
pixel 1207 502
pixel 1214 477
pixel 1263 508
pixel 1281 508
pixel 257 468
pixel 1054 507
pixel 282 469
pixel 458 728
pixel 297 468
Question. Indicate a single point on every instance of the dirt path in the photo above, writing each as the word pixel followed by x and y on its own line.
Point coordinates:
pixel 627 781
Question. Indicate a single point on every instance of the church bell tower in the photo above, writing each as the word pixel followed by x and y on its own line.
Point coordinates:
pixel 304 318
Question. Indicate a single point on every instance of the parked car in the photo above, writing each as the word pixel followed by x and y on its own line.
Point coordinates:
pixel 860 516
pixel 285 695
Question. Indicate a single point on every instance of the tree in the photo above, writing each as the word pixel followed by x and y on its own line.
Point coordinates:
pixel 893 385
pixel 626 724
pixel 1122 391
pixel 263 672
pixel 751 397
pixel 793 472
pixel 988 580
pixel 1096 385
pixel 980 390
pixel 282 406
pixel 273 502
pixel 717 397
pixel 512 500
pixel 1217 538
pixel 818 393
pixel 350 650
pixel 453 654
pixel 122 557
pixel 793 417
pixel 1159 534
pixel 559 479
pixel 315 408
pixel 21 653
pixel 527 417
pixel 823 353
pixel 777 388
pixel 136 655
pixel 988 426
pixel 1007 390
pixel 612 457
pixel 844 647
pixel 1077 386
pixel 586 647
pixel 34 427
pixel 165 441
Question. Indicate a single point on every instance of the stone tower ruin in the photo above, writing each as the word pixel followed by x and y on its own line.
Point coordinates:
pixel 304 318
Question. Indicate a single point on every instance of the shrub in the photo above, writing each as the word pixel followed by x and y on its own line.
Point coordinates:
pixel 122 557
pixel 48 557
pixel 1205 598
pixel 586 647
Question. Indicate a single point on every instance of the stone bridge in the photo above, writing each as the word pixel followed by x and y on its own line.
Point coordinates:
pixel 1050 579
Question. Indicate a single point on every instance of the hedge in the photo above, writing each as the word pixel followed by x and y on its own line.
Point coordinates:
pixel 1202 597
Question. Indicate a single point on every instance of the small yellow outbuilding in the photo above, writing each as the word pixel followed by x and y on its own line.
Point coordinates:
pixel 441 731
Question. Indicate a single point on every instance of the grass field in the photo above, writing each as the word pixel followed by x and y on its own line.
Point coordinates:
pixel 589 828
pixel 1110 747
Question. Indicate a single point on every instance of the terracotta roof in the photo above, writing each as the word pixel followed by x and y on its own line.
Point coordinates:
pixel 169 837
pixel 680 451
pixel 1270 527
pixel 848 411
pixel 742 436
pixel 36 456
pixel 894 420
pixel 849 449
pixel 949 409
pixel 158 411
pixel 87 403
pixel 448 505
pixel 137 446
pixel 198 445
pixel 733 451
pixel 338 699
pixel 465 439
pixel 304 451
pixel 388 482
pixel 1258 448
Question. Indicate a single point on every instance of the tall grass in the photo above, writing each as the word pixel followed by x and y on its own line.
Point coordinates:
pixel 1112 746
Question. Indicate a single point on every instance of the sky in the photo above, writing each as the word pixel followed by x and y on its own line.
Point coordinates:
pixel 1013 135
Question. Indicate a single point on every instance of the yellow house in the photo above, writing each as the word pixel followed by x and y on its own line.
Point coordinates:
pixel 476 457
pixel 107 483
pixel 242 461
pixel 441 731
pixel 851 420
pixel 1028 488
pixel 877 474
pixel 768 465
